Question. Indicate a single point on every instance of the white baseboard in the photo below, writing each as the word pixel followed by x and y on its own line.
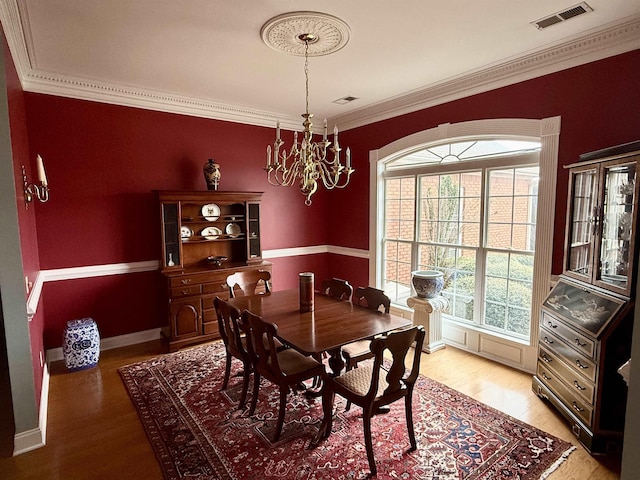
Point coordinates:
pixel 24 442
pixel 55 354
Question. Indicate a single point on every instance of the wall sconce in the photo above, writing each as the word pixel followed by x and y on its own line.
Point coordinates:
pixel 41 192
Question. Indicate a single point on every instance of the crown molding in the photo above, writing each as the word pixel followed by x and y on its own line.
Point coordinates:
pixel 614 39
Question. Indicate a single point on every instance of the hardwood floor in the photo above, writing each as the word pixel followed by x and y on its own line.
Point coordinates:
pixel 94 431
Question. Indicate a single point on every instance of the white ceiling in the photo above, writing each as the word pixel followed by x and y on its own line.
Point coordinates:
pixel 207 57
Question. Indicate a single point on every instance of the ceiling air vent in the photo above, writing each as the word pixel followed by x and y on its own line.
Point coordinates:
pixel 345 100
pixel 562 16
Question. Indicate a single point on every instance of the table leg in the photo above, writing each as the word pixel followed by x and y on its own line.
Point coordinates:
pixel 336 362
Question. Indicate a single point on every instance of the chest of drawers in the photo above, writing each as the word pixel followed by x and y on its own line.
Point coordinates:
pixel 585 336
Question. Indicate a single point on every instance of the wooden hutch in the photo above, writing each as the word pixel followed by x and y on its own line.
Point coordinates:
pixel 206 236
pixel 587 319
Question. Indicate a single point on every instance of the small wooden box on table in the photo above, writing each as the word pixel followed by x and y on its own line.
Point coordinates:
pixel 206 236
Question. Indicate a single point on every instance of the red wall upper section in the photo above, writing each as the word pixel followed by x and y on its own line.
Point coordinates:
pixel 103 161
pixel 598 103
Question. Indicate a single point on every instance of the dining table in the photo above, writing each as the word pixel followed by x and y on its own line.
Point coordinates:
pixel 331 324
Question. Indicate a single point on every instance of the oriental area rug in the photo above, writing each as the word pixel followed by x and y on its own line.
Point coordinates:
pixel 197 431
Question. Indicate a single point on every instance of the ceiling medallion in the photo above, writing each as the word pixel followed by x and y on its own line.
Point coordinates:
pixel 286 33
pixel 307 164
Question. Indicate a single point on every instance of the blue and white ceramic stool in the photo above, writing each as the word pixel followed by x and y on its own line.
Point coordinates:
pixel 81 345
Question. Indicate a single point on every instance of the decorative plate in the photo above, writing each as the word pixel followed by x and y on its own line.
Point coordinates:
pixel 233 229
pixel 211 233
pixel 185 232
pixel 211 212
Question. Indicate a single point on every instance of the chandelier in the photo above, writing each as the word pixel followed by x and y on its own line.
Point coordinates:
pixel 307 162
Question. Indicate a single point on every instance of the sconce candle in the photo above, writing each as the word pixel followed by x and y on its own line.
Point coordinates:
pixel 42 176
pixel 31 190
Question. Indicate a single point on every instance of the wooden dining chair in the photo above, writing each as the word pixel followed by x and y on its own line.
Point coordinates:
pixel 248 281
pixel 377 385
pixel 285 368
pixel 337 288
pixel 235 344
pixel 373 299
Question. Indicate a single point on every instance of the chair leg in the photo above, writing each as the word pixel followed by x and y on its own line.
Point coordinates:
pixel 366 421
pixel 347 368
pixel 245 385
pixel 409 414
pixel 227 372
pixel 256 386
pixel 328 397
pixel 283 406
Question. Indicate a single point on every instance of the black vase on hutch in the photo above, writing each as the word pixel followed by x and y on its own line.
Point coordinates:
pixel 212 175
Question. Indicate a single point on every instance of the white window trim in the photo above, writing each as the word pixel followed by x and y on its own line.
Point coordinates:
pixel 547 132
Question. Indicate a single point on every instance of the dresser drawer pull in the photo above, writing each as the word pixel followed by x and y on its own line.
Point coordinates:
pixel 578 386
pixel 185 281
pixel 580 344
pixel 577 408
pixel 186 292
pixel 552 325
pixel 580 365
pixel 545 358
pixel 547 340
pixel 546 377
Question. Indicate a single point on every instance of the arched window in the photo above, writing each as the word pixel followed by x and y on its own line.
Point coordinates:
pixel 468 205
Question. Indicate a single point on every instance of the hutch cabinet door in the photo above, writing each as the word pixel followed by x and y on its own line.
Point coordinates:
pixel 171 245
pixel 619 212
pixel 579 251
pixel 253 234
pixel 184 318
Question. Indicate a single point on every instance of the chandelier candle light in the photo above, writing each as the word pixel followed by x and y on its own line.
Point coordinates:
pixel 307 161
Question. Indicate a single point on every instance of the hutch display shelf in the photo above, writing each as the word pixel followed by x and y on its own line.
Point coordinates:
pixel 587 319
pixel 206 236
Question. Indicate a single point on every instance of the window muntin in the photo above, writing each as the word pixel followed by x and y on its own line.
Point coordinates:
pixel 461 151
pixel 478 228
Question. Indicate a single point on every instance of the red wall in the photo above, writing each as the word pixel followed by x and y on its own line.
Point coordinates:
pixel 103 162
pixel 598 102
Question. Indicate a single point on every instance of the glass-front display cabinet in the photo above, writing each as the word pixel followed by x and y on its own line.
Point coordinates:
pixel 601 226
pixel 587 320
pixel 205 236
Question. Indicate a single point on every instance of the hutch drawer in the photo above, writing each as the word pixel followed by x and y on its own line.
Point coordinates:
pixel 185 291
